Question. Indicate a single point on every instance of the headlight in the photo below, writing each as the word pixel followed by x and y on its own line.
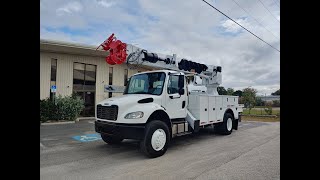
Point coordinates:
pixel 134 115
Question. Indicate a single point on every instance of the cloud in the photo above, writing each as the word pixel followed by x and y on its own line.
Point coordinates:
pixel 105 3
pixel 190 29
pixel 71 7
pixel 232 27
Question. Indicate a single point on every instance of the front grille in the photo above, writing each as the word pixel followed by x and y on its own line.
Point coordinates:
pixel 107 112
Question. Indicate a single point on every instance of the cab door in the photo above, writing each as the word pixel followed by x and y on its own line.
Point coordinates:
pixel 176 94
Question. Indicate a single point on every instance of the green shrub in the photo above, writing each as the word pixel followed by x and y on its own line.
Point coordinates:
pixel 47 108
pixel 276 103
pixel 268 108
pixel 259 102
pixel 64 108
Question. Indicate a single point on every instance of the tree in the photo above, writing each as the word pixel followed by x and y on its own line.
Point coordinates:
pixel 249 97
pixel 230 91
pixel 259 102
pixel 240 100
pixel 237 93
pixel 276 103
pixel 277 93
pixel 221 90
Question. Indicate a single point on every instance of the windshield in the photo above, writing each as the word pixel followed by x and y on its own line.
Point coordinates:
pixel 148 83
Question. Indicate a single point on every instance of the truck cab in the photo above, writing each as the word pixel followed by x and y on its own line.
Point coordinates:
pixel 144 94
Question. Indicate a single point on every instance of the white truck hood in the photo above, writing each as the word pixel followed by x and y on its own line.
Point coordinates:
pixel 126 99
pixel 129 103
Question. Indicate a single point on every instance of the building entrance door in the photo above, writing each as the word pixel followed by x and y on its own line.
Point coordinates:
pixel 89 103
pixel 84 85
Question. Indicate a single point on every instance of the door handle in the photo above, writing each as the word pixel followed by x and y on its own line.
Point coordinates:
pixel 174 96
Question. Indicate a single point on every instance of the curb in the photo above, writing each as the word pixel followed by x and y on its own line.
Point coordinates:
pixel 269 116
pixel 85 119
pixel 69 122
pixel 57 123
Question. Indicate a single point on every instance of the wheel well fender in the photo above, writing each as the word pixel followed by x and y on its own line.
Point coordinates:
pixel 161 115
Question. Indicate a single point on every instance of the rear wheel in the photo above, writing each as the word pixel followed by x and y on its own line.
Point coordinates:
pixel 156 139
pixel 225 127
pixel 111 139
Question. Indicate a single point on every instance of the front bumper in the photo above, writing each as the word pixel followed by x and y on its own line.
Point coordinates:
pixel 125 131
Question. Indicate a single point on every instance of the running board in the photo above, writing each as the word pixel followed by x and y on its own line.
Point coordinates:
pixel 182 134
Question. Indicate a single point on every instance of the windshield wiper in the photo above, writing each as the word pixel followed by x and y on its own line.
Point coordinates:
pixel 141 92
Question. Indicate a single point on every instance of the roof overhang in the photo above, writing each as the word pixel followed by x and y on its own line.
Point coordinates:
pixel 77 49
pixel 70 48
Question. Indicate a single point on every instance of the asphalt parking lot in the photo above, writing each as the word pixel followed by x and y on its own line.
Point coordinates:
pixel 75 151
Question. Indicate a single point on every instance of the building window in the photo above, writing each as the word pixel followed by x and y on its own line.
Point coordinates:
pixel 78 76
pixel 125 77
pixel 53 78
pixel 110 79
pixel 84 77
pixel 90 77
pixel 53 71
pixel 110 75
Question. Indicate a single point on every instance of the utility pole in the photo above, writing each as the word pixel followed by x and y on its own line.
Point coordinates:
pixel 265 100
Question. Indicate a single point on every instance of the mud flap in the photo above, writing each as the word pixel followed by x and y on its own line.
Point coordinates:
pixel 196 125
pixel 235 124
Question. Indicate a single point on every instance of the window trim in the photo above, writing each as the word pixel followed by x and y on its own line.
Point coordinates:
pixel 168 83
pixel 164 83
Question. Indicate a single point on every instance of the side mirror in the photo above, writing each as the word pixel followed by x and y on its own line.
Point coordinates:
pixel 181 91
pixel 181 82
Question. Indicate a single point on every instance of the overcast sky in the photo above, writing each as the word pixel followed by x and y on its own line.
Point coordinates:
pixel 188 28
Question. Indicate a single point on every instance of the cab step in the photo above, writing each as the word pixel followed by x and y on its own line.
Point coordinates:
pixel 180 128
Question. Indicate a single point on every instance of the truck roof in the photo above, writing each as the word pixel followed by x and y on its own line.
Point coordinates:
pixel 165 71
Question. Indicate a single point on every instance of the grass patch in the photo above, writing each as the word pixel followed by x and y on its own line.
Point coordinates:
pixel 260 112
pixel 261 119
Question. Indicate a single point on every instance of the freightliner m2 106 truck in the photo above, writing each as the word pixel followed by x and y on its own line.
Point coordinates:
pixel 157 106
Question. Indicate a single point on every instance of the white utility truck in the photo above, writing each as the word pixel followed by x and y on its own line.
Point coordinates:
pixel 157 106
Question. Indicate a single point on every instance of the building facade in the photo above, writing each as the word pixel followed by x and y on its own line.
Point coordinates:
pixel 269 98
pixel 80 69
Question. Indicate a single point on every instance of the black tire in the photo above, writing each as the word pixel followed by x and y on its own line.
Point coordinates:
pixel 111 139
pixel 145 144
pixel 222 127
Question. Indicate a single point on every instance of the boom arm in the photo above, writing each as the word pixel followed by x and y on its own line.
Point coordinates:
pixel 120 52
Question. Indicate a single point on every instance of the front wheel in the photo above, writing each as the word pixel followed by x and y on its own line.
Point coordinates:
pixel 111 139
pixel 156 139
